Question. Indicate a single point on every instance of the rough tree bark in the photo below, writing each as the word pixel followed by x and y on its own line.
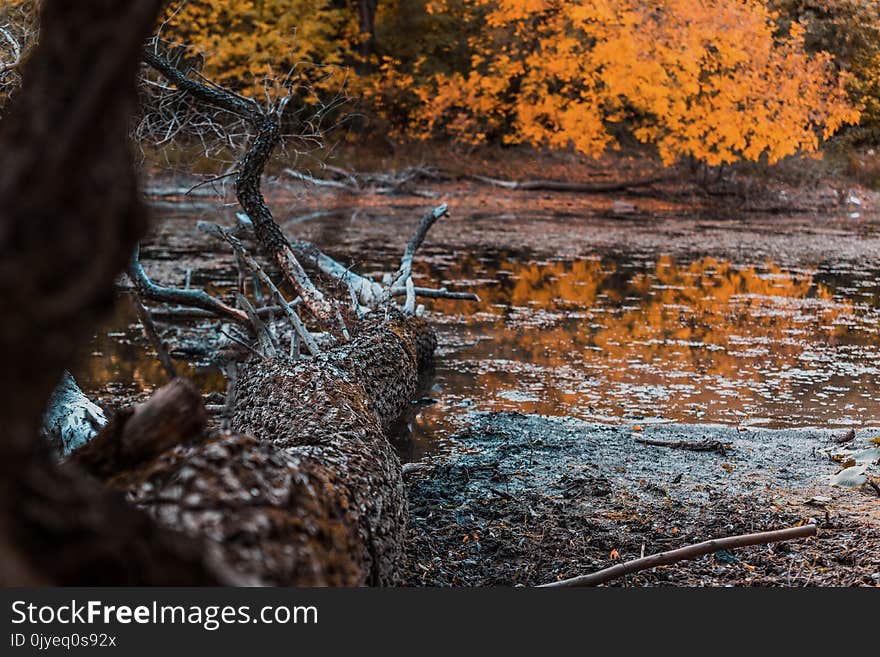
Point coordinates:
pixel 312 494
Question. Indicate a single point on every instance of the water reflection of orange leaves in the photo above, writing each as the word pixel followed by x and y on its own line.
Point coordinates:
pixel 696 318
pixel 544 286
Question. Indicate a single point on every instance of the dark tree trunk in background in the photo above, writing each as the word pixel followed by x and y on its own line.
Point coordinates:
pixel 70 216
pixel 367 26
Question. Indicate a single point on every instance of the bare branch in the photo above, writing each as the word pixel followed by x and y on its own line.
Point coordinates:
pixel 441 293
pixel 368 292
pixel 247 181
pixel 153 337
pixel 427 220
pixel 567 186
pixel 299 328
pixel 687 552
pixel 194 298
pixel 320 182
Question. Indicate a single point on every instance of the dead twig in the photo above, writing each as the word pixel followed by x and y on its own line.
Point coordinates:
pixel 320 182
pixel 223 234
pixel 152 335
pixel 211 181
pixel 685 553
pixel 439 293
pixel 180 314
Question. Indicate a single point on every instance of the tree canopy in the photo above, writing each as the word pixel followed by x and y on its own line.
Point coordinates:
pixel 715 80
pixel 719 81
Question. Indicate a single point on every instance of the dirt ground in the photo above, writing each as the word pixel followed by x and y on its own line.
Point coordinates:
pixel 528 500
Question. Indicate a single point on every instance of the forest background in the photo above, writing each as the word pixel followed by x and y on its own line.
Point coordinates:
pixel 714 83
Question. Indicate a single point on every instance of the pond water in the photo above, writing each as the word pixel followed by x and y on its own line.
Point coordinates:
pixel 744 321
pixel 615 336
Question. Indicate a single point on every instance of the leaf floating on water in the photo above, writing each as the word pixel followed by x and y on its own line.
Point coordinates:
pixel 850 477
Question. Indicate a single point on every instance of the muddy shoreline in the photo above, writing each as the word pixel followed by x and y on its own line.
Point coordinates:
pixel 529 500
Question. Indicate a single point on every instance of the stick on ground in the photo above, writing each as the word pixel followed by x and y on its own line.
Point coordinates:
pixel 687 552
pixel 569 186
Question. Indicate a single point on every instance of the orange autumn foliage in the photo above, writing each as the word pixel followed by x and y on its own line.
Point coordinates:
pixel 712 80
pixel 718 80
pixel 249 45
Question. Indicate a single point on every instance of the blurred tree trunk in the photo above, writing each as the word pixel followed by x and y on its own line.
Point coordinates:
pixel 70 215
pixel 367 26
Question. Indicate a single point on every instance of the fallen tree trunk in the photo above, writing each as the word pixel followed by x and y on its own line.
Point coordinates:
pixel 312 496
pixel 307 490
pixel 568 186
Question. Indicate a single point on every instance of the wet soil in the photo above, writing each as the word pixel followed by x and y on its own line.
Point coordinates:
pixel 528 500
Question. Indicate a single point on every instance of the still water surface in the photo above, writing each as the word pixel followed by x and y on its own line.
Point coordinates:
pixel 604 332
